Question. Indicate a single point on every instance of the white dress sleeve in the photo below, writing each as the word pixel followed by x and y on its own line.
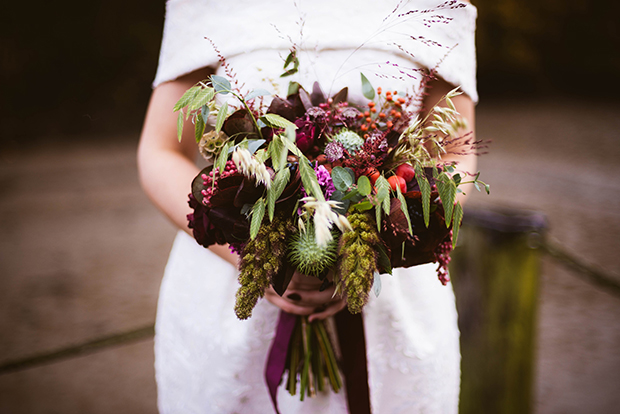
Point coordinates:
pixel 438 35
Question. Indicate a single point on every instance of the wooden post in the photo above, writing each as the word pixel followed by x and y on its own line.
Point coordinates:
pixel 495 270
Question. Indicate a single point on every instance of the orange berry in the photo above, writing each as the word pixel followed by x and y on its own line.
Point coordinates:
pixel 397 115
pixel 401 100
pixel 379 90
pixel 373 110
pixel 372 174
pixel 388 97
pixel 373 126
pixel 395 92
pixel 396 181
pixel 389 124
pixel 393 112
pixel 371 104
pixel 366 113
pixel 364 128
pixel 369 120
pixel 381 115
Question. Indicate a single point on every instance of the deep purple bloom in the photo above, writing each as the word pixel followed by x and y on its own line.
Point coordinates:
pixel 305 134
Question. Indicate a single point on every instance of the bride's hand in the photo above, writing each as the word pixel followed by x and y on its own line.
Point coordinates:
pixel 302 297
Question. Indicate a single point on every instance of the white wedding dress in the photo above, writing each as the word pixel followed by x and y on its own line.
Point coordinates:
pixel 207 361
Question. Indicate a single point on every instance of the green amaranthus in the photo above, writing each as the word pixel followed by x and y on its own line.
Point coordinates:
pixel 261 260
pixel 357 262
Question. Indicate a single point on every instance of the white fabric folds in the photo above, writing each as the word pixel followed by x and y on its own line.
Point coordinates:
pixel 442 38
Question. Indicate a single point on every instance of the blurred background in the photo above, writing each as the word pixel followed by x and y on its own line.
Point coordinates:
pixel 82 250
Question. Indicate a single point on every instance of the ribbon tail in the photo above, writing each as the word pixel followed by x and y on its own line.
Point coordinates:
pixel 276 360
pixel 354 365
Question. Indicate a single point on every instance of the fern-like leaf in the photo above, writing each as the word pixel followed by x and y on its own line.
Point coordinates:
pixel 258 212
pixel 425 190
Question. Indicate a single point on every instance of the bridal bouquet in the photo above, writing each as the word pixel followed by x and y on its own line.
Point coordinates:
pixel 318 185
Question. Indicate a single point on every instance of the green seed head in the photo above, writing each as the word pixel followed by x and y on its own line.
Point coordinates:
pixel 307 256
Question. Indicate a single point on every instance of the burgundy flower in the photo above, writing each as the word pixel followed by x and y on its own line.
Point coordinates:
pixel 305 134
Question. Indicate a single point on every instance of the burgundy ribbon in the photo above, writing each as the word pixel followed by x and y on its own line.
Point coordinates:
pixel 350 330
pixel 276 361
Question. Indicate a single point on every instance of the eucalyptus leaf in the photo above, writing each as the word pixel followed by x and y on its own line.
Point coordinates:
pixel 180 122
pixel 221 84
pixel 258 212
pixel 363 185
pixel 343 178
pixel 376 284
pixel 367 90
pixel 186 97
pixel 276 121
pixel 343 205
pixel 255 144
pixel 205 111
pixel 425 190
pixel 221 117
pixel 256 93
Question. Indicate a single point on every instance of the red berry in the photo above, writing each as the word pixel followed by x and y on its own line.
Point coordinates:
pixel 395 181
pixel 372 174
pixel 406 171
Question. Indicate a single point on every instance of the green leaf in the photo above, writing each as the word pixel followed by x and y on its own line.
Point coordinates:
pixel 293 88
pixel 363 206
pixel 221 117
pixel 378 217
pixel 447 193
pixel 383 193
pixel 254 144
pixel 202 98
pixel 291 145
pixel 352 195
pixel 383 259
pixel 256 93
pixel 343 205
pixel 276 121
pixel 458 217
pixel 309 180
pixel 425 189
pixel 275 191
pixel 291 59
pixel 367 90
pixel 403 207
pixel 258 212
pixel 205 111
pixel 223 155
pixel 376 284
pixel 186 97
pixel 221 84
pixel 363 185
pixel 278 153
pixel 180 122
pixel 261 155
pixel 199 128
pixel 343 178
pixel 457 179
pixel 487 188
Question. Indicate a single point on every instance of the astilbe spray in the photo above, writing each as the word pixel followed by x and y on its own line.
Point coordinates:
pixel 357 261
pixel 261 260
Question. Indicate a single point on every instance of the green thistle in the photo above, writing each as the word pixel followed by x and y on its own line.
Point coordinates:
pixel 349 140
pixel 261 259
pixel 357 261
pixel 307 256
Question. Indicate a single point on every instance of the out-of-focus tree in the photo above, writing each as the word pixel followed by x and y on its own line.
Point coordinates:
pixel 548 46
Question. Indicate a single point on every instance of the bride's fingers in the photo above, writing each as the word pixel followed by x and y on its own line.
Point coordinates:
pixel 329 310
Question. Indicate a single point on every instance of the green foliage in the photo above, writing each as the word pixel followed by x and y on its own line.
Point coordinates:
pixel 203 97
pixel 291 59
pixel 403 207
pixel 425 189
pixel 367 90
pixel 309 180
pixel 199 128
pixel 343 178
pixel 275 191
pixel 258 212
pixel 357 260
pixel 186 98
pixel 307 256
pixel 221 84
pixel 276 121
pixel 458 218
pixel 446 187
pixel 221 117
pixel 180 122
pixel 363 185
pixel 256 93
